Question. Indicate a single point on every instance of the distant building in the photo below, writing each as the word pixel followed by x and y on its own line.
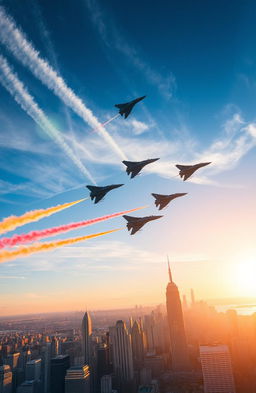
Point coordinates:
pixel 27 387
pixel 13 359
pixel 54 347
pixel 184 302
pixel 155 363
pixel 86 338
pixel 151 388
pixel 77 380
pixel 59 366
pixel 33 370
pixel 217 369
pixel 106 384
pixel 137 345
pixel 145 376
pixel 103 365
pixel 148 326
pixel 24 358
pixel 122 351
pixel 5 379
pixel 179 348
pixel 46 367
pixel 192 297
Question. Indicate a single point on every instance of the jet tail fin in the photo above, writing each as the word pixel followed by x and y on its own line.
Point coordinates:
pixel 92 188
pixel 120 106
pixel 181 167
pixel 128 218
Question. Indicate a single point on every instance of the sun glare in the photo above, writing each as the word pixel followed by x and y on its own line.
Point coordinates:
pixel 245 276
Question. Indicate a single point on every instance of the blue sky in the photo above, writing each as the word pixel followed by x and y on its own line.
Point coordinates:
pixel 196 64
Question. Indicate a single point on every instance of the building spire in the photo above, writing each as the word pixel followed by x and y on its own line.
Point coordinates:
pixel 169 269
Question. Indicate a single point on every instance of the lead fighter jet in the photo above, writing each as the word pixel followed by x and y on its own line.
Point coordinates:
pixel 187 170
pixel 126 108
pixel 136 223
pixel 134 167
pixel 164 200
pixel 99 192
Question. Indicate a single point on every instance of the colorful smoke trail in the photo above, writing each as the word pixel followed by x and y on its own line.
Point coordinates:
pixel 12 222
pixel 37 235
pixel 6 256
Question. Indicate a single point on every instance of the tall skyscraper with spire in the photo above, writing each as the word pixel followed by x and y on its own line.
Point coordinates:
pixel 86 338
pixel 179 348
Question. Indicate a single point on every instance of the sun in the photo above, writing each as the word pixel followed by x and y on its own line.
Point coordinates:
pixel 245 276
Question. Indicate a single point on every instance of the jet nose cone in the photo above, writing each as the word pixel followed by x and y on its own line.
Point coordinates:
pixel 153 159
pixel 118 185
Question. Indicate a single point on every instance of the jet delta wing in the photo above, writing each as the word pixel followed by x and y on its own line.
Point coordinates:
pixel 126 108
pixel 97 193
pixel 136 223
pixel 187 170
pixel 163 200
pixel 134 167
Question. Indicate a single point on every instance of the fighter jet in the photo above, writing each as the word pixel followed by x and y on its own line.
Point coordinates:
pixel 187 170
pixel 164 200
pixel 135 167
pixel 125 109
pixel 99 192
pixel 136 223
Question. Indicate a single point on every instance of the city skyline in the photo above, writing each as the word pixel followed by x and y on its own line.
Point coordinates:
pixel 193 349
pixel 198 113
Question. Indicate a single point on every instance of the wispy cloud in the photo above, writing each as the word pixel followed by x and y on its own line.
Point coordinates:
pixel 16 42
pixel 113 39
pixel 226 151
pixel 50 50
pixel 236 138
pixel 16 88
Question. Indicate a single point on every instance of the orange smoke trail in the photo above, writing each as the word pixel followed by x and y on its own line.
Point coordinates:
pixel 12 222
pixel 43 247
pixel 34 236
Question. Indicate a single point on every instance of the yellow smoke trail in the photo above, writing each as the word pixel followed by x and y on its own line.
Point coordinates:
pixel 42 247
pixel 12 222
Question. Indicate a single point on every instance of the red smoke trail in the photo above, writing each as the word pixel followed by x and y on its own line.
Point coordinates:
pixel 37 235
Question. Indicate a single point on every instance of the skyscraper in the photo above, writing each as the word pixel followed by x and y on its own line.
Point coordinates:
pixel 122 351
pixel 217 369
pixel 102 360
pixel 77 380
pixel 106 384
pixel 137 345
pixel 86 338
pixel 5 379
pixel 59 366
pixel 54 347
pixel 192 296
pixel 33 370
pixel 179 348
pixel 46 366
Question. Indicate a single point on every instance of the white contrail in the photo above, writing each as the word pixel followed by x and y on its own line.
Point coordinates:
pixel 16 88
pixel 16 42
